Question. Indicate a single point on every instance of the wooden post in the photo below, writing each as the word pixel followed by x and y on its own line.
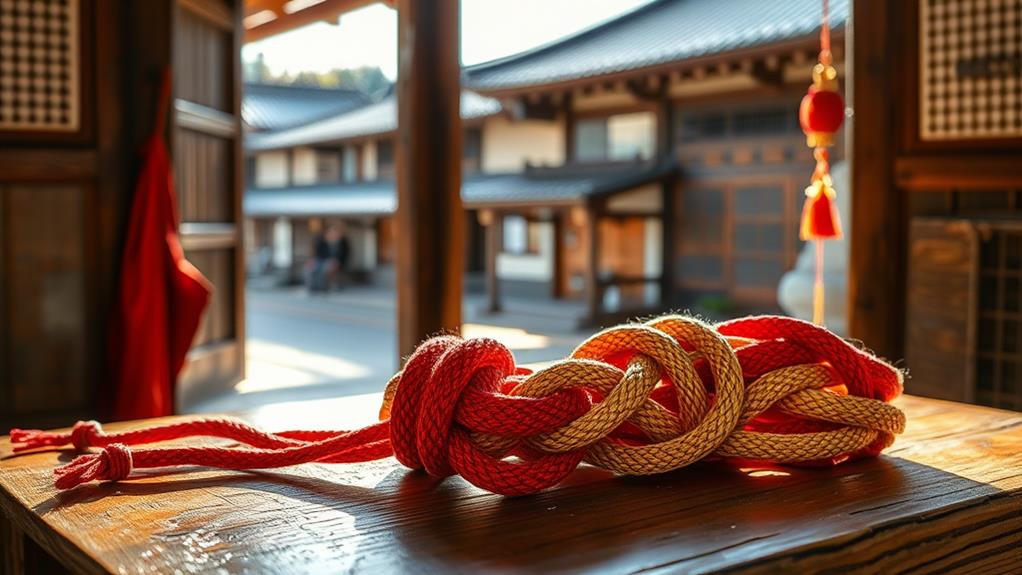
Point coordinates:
pixel 494 229
pixel 594 292
pixel 876 280
pixel 557 277
pixel 430 238
pixel 665 148
pixel 569 127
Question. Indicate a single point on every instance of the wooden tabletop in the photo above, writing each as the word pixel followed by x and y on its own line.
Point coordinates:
pixel 946 497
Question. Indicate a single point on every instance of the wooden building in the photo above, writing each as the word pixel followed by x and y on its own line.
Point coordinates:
pixel 636 184
pixel 934 147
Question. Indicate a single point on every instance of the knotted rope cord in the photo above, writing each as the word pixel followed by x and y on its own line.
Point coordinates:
pixel 634 399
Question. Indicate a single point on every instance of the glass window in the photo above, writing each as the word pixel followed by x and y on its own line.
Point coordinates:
pixel 385 158
pixel 759 238
pixel 705 126
pixel 631 136
pixel 620 137
pixel 762 121
pixel 707 268
pixel 758 273
pixel 328 166
pixel 759 201
pixel 591 140
pixel 702 217
pixel 521 235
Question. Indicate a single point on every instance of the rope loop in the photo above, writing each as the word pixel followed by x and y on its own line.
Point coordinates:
pixel 634 399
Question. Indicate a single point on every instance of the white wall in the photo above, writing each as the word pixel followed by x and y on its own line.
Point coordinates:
pixel 369 172
pixel 282 243
pixel 271 169
pixel 530 267
pixel 508 145
pixel 303 168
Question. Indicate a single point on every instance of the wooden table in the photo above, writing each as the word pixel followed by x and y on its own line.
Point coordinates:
pixel 946 497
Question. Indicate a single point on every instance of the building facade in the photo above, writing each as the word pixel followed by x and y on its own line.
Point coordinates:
pixel 642 164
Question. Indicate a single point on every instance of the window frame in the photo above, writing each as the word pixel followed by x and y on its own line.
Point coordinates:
pixel 605 114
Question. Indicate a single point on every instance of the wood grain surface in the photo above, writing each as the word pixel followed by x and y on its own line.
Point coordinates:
pixel 947 497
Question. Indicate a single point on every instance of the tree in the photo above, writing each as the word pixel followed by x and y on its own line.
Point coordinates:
pixel 368 80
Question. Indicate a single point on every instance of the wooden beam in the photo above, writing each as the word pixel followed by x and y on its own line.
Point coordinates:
pixel 494 224
pixel 326 11
pixel 875 268
pixel 768 72
pixel 665 148
pixel 557 277
pixel 430 235
pixel 568 107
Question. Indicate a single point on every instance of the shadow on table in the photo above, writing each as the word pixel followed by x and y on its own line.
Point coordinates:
pixel 709 513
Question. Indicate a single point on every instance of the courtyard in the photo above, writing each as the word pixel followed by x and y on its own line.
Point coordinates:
pixel 303 347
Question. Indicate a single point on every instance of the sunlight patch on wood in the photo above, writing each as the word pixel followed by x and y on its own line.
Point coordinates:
pixel 512 337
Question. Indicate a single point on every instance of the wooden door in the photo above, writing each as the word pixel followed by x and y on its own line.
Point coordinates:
pixel 61 188
pixel 206 140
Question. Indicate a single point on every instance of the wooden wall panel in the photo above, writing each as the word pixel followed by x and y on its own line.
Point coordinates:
pixel 218 267
pixel 46 335
pixel 206 52
pixel 940 330
pixel 204 162
pixel 202 57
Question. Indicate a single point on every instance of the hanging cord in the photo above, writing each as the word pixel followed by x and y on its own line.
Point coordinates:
pixel 821 114
pixel 633 399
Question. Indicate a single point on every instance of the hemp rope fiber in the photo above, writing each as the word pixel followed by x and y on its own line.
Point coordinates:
pixel 634 399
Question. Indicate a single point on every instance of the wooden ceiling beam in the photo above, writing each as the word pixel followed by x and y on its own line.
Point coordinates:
pixel 325 11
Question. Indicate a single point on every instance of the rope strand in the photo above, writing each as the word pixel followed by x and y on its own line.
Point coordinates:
pixel 634 399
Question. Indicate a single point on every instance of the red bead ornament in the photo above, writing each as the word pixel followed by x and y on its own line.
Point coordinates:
pixel 821 114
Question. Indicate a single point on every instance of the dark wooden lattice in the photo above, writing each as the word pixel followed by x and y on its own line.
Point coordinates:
pixel 39 76
pixel 999 334
pixel 970 69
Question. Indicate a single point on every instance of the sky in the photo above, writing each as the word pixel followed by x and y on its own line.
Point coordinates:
pixel 489 29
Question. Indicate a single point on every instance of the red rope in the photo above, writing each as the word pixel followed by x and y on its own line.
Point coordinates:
pixel 452 391
pixel 825 54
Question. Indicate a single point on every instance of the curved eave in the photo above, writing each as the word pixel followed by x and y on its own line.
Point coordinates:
pixel 805 42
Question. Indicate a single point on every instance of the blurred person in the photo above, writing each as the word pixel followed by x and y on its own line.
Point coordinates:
pixel 330 260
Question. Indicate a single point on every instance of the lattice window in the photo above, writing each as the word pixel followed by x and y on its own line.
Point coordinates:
pixel 39 77
pixel 970 72
pixel 999 342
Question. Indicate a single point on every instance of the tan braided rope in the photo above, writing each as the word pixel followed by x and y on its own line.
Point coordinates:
pixel 703 426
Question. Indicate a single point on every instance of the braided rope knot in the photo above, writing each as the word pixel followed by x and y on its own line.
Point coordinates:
pixel 85 433
pixel 113 463
pixel 660 396
pixel 633 399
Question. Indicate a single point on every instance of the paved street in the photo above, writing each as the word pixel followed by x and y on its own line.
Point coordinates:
pixel 306 347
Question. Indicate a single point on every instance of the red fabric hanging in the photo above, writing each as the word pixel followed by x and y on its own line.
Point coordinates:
pixel 162 295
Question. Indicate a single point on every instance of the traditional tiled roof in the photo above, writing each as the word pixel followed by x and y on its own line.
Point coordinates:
pixel 541 187
pixel 372 120
pixel 270 107
pixel 656 34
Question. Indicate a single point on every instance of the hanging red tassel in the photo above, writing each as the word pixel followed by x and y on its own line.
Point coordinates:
pixel 821 113
pixel 820 219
